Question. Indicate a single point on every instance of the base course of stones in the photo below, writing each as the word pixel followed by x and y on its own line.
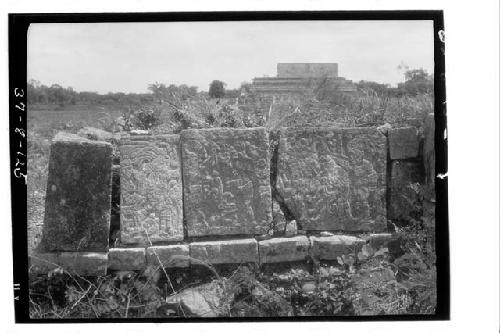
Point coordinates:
pixel 240 251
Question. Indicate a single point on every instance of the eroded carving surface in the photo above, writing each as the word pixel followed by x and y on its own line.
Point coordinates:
pixel 226 181
pixel 333 179
pixel 78 200
pixel 151 189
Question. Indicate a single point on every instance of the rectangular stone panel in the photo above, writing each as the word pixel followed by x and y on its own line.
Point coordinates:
pixel 226 181
pixel 127 259
pixel 78 197
pixel 329 248
pixel 169 255
pixel 333 178
pixel 403 143
pixel 283 249
pixel 224 252
pixel 151 189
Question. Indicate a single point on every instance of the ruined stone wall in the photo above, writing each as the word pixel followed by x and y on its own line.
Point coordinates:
pixel 213 196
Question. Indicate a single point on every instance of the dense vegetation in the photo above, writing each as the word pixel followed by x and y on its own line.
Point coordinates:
pixel 396 278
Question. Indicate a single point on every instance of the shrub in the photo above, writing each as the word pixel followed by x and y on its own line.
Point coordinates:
pixel 143 118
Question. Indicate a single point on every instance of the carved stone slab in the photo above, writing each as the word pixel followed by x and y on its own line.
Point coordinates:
pixel 151 189
pixel 333 179
pixel 78 199
pixel 226 181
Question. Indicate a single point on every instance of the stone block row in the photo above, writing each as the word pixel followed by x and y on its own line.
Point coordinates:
pixel 236 251
pixel 213 182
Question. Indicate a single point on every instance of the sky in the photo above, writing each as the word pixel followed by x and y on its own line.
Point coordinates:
pixel 127 57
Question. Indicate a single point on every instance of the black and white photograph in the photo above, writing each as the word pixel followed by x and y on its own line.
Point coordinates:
pixel 238 167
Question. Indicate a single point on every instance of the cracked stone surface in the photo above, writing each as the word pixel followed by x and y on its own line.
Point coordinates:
pixel 226 181
pixel 333 178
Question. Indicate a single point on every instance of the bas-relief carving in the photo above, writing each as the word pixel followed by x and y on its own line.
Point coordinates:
pixel 333 179
pixel 226 181
pixel 151 190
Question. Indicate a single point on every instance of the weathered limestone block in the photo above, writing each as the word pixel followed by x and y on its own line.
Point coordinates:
pixel 283 249
pixel 42 263
pixel 168 255
pixel 334 179
pixel 403 143
pixel 151 189
pixel 225 251
pixel 127 259
pixel 402 200
pixel 377 241
pixel 84 263
pixel 429 155
pixel 80 263
pixel 329 248
pixel 226 181
pixel 78 197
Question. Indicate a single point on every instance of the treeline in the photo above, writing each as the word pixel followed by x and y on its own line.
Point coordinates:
pixel 56 94
pixel 40 94
pixel 417 81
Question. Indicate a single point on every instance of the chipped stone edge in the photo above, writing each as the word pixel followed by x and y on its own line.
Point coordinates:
pixel 287 244
pixel 168 255
pixel 199 254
